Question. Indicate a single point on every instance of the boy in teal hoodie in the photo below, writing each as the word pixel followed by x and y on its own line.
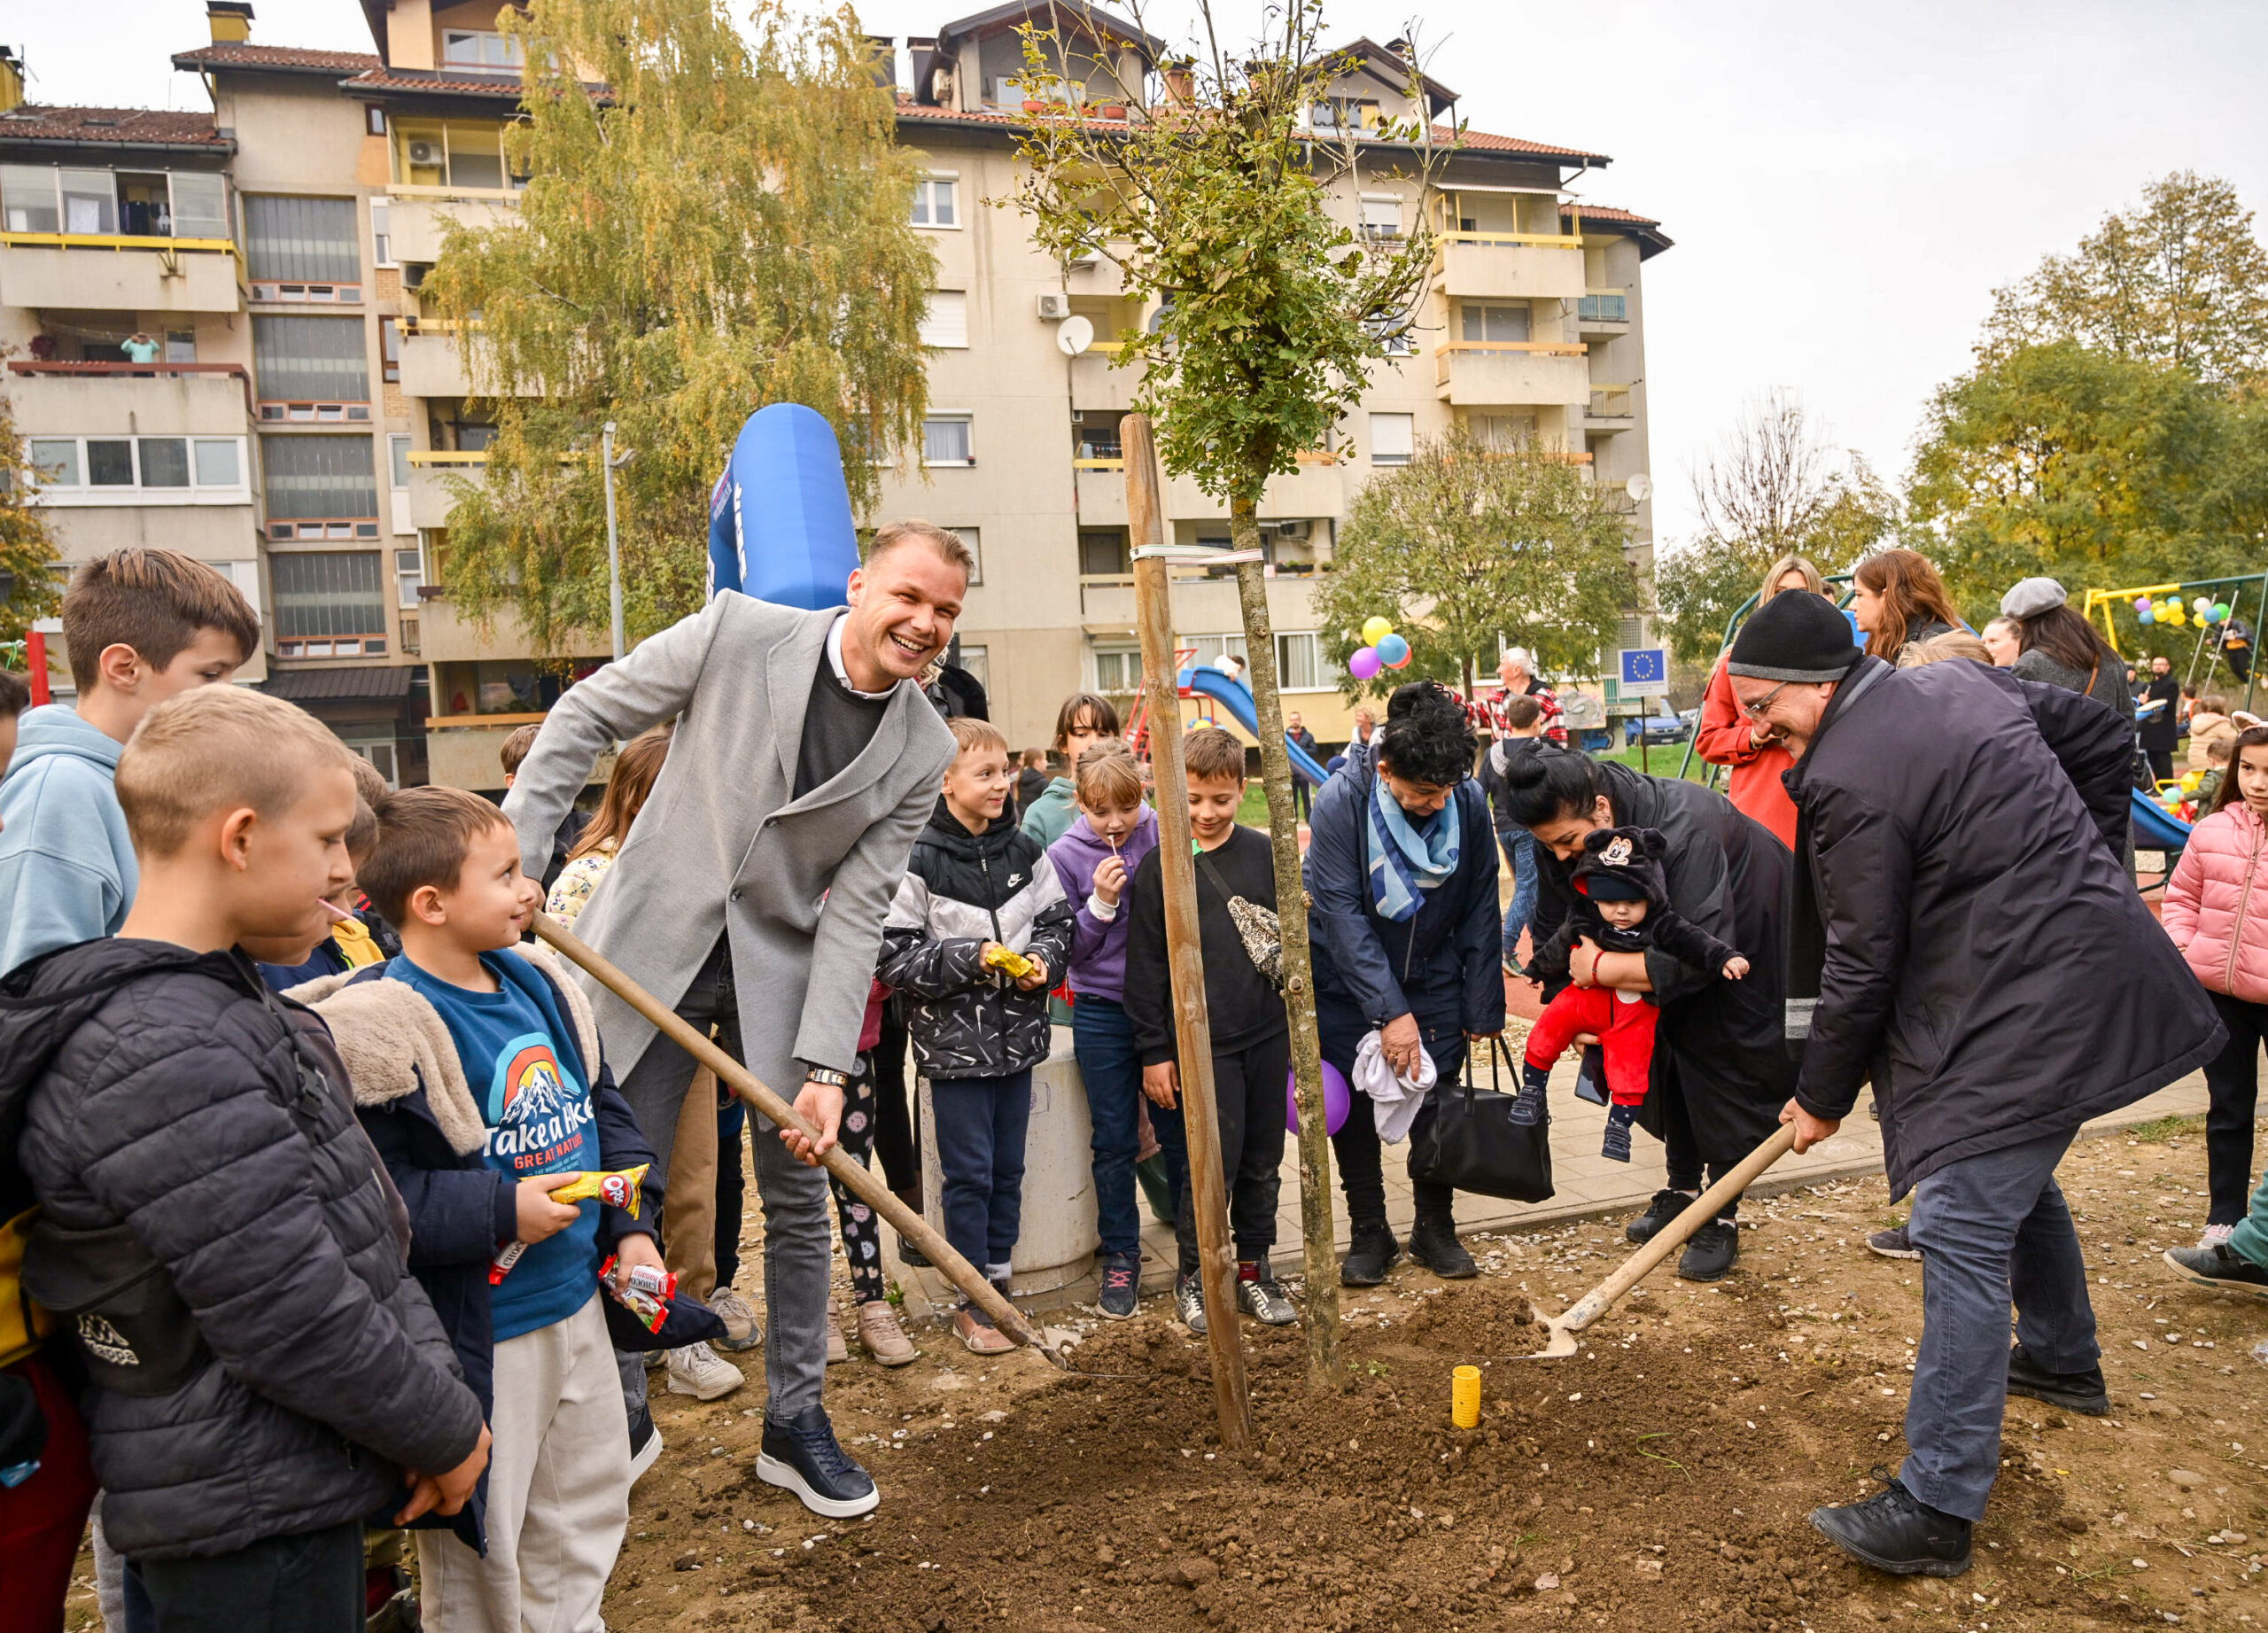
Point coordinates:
pixel 140 625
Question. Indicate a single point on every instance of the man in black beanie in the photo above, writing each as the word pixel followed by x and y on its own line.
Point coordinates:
pixel 1962 933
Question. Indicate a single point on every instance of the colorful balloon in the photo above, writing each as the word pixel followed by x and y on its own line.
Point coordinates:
pixel 2202 605
pixel 1393 651
pixel 2142 604
pixel 1376 629
pixel 2147 614
pixel 2190 780
pixel 2220 612
pixel 1338 1099
pixel 1364 664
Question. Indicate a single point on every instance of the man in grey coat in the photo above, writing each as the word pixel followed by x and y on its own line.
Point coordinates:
pixel 751 894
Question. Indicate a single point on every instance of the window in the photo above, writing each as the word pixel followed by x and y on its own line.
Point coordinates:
pixel 381 233
pixel 1345 113
pixel 27 201
pixel 170 468
pixel 972 538
pixel 1097 436
pixel 431 153
pixel 302 240
pixel 1503 432
pixel 389 350
pixel 397 458
pixel 309 361
pixel 934 203
pixel 484 52
pixel 946 322
pixel 200 205
pixel 1493 324
pixel 1396 335
pixel 476 156
pixel 181 345
pixel 374 119
pixel 408 578
pixel 1118 670
pixel 1393 438
pixel 380 753
pixel 1300 665
pixel 141 203
pixel 1103 552
pixel 328 603
pixel 945 440
pixel 89 200
pixel 977 662
pixel 319 488
pixel 1212 648
pixel 1382 215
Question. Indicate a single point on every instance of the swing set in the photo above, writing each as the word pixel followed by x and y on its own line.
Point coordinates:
pixel 2100 603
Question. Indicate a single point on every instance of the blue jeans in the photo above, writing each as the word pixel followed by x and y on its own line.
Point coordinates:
pixel 1519 855
pixel 1102 1038
pixel 1993 1231
pixel 980 1123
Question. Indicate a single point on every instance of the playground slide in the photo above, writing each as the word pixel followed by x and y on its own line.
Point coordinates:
pixel 2153 827
pixel 1236 697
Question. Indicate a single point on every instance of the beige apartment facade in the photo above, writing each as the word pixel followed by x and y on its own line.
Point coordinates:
pixel 358 417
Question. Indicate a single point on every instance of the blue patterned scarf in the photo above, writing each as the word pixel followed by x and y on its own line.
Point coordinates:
pixel 1407 859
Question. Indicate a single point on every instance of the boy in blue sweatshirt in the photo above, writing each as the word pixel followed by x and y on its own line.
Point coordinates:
pixel 141 626
pixel 479 1077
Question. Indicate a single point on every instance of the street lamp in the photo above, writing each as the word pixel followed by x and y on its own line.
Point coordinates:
pixel 613 462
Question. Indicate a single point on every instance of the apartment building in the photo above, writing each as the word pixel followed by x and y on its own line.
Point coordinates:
pixel 277 252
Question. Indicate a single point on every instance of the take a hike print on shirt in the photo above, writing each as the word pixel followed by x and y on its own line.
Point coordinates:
pixel 521 1063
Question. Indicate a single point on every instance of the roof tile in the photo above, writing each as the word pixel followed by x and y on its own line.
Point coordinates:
pixel 290 58
pixel 143 127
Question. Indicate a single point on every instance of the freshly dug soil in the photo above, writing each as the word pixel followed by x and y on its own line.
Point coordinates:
pixel 1660 1480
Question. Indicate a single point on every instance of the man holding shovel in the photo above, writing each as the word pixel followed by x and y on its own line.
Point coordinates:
pixel 1962 933
pixel 751 893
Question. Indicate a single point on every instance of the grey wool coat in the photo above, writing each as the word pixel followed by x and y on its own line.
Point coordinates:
pixel 801 886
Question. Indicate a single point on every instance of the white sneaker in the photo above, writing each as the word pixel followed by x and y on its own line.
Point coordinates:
pixel 700 1372
pixel 2216 1236
pixel 742 1331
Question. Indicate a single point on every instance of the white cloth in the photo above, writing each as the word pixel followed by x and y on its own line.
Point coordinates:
pixel 558 1491
pixel 1394 1101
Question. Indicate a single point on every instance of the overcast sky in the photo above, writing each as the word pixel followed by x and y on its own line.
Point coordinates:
pixel 1845 184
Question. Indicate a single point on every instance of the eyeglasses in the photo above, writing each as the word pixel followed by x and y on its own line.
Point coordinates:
pixel 1755 711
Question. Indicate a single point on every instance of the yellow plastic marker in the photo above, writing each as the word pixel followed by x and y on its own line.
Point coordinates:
pixel 1465 1397
pixel 1012 964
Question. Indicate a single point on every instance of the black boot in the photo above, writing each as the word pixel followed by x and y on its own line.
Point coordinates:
pixel 1712 1253
pixel 2081 1392
pixel 1371 1253
pixel 1615 1147
pixel 1433 1243
pixel 1895 1531
pixel 1665 1205
pixel 1527 1105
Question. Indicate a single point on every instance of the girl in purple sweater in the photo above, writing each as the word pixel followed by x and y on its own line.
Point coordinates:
pixel 1095 858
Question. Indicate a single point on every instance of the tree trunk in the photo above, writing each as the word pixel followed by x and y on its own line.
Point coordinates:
pixel 1320 1258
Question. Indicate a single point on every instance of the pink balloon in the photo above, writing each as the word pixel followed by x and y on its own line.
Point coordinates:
pixel 1338 1099
pixel 1364 664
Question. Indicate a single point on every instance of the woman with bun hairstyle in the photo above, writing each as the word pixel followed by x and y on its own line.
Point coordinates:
pixel 1722 1070
pixel 1897 596
pixel 1406 935
pixel 1727 737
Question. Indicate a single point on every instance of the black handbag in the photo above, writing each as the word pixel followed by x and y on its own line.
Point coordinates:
pixel 1474 1145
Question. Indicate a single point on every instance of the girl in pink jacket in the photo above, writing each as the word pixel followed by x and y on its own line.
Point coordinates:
pixel 2217 912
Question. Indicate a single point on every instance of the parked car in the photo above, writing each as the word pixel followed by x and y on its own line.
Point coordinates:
pixel 1656 729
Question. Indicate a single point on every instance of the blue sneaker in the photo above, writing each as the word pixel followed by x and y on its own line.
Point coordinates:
pixel 1527 1107
pixel 803 1455
pixel 1615 1147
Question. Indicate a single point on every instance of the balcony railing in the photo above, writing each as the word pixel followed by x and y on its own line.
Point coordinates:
pixel 1605 306
pixel 111 370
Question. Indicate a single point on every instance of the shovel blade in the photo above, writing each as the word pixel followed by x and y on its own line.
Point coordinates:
pixel 1559 1344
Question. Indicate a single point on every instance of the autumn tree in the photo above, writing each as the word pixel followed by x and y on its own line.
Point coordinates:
pixel 1214 199
pixel 1474 543
pixel 28 590
pixel 713 221
pixel 2179 279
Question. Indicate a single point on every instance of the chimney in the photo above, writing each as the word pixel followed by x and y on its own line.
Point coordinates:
pixel 230 21
pixel 1181 84
pixel 11 79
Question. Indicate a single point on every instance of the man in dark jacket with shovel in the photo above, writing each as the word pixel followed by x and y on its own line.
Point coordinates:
pixel 1962 934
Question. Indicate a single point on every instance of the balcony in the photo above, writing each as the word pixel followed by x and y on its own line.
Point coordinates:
pixel 159 400
pixel 1609 410
pixel 117 272
pixel 1603 315
pixel 1508 266
pixel 432 491
pixel 1508 373
pixel 1200 601
pixel 418 218
pixel 1317 489
pixel 1097 383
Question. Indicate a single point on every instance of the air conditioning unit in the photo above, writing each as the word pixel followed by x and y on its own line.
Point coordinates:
pixel 425 154
pixel 1086 263
pixel 1055 307
pixel 1288 529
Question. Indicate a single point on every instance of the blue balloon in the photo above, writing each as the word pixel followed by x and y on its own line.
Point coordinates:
pixel 1393 649
pixel 2148 616
pixel 780 524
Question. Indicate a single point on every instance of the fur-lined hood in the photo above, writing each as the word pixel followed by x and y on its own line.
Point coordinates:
pixel 394 1042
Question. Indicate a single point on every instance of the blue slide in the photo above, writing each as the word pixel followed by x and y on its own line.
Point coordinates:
pixel 1236 697
pixel 2154 826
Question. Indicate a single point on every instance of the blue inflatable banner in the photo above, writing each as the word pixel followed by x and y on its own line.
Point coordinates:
pixel 780 524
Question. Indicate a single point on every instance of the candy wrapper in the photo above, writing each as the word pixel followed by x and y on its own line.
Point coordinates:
pixel 644 1277
pixel 618 1188
pixel 649 1310
pixel 1015 966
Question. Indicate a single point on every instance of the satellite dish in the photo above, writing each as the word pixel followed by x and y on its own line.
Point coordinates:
pixel 1075 334
pixel 1639 487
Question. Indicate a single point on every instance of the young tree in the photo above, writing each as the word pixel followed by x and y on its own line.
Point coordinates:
pixel 1215 199
pixel 712 222
pixel 2179 279
pixel 28 590
pixel 1473 543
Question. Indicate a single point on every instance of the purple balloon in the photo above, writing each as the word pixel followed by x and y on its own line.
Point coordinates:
pixel 1338 1099
pixel 1365 663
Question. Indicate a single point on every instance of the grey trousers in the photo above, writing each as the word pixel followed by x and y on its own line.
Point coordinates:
pixel 1993 1231
pixel 797 1240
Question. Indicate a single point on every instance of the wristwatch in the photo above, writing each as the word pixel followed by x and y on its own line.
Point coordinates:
pixel 827 1075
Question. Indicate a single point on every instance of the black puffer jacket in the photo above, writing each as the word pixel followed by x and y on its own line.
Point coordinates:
pixel 961 890
pixel 1634 854
pixel 154 1087
pixel 1987 961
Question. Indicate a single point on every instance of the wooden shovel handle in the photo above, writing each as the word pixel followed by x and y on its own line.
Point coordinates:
pixel 1674 1235
pixel 861 1181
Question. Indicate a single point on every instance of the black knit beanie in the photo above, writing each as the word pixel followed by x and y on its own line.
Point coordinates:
pixel 1798 636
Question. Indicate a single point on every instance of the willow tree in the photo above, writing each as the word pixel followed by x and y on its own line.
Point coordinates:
pixel 713 221
pixel 1215 199
pixel 1472 542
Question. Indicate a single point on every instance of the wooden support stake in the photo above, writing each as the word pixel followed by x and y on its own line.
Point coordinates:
pixel 1186 958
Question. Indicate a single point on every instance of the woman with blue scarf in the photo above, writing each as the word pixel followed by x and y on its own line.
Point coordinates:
pixel 1405 927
